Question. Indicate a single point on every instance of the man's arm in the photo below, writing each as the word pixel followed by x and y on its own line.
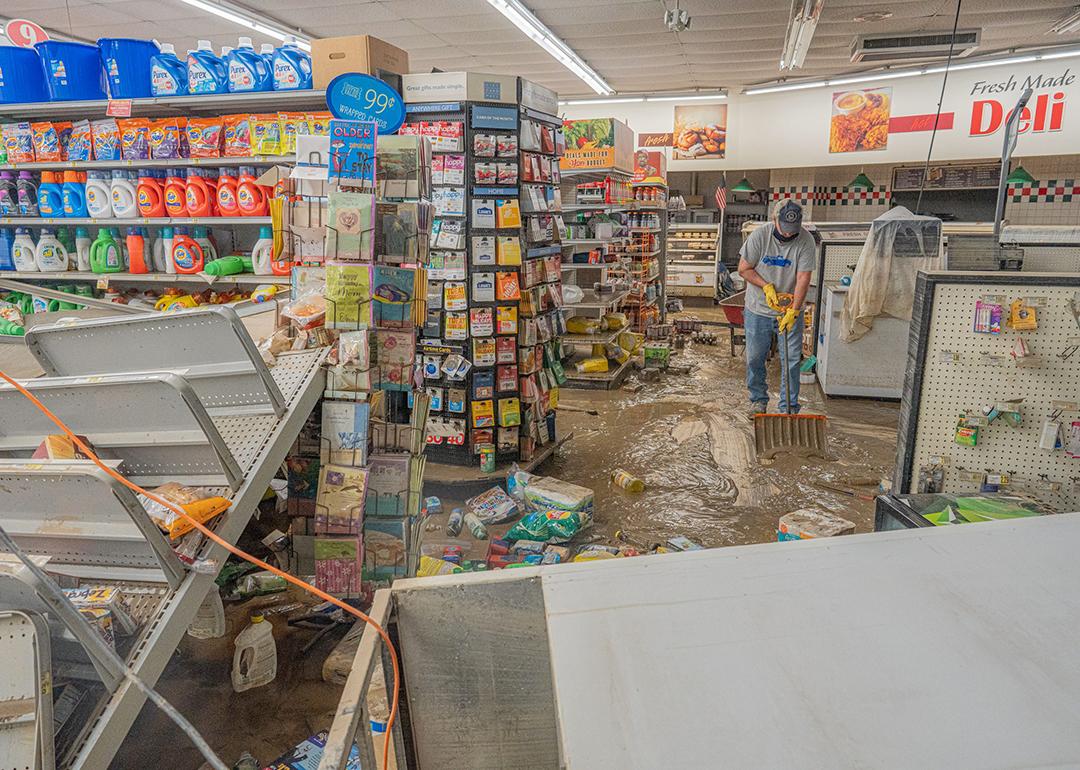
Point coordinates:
pixel 802 283
pixel 750 275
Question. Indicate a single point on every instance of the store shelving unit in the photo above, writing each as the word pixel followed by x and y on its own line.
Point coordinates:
pixel 251 439
pixel 131 222
pixel 89 165
pixel 692 254
pixel 198 279
pixel 648 270
pixel 605 284
pixel 219 104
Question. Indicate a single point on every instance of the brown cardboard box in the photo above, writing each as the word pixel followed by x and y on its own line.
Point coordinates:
pixel 333 56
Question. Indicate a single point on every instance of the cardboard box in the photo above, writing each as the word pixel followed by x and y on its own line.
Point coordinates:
pixel 335 56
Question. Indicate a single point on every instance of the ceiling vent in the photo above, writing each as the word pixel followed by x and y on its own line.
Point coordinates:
pixel 871 49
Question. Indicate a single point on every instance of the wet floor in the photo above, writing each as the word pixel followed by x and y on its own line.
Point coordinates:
pixel 690 438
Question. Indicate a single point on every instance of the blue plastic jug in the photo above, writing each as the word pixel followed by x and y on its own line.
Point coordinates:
pixel 74 195
pixel 292 68
pixel 247 69
pixel 50 195
pixel 207 73
pixel 7 238
pixel 168 75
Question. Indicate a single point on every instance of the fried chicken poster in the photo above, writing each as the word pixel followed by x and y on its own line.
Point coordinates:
pixel 700 132
pixel 860 120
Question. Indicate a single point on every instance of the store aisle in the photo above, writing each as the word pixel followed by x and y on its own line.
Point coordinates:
pixel 689 438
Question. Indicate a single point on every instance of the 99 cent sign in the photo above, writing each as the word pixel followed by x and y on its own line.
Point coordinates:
pixel 24 33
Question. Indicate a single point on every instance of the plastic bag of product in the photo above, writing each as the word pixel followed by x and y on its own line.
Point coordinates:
pixel 306 311
pixel 195 503
pixel 572 294
pixel 516 481
pixel 548 526
pixel 581 325
pixel 593 365
pixel 547 492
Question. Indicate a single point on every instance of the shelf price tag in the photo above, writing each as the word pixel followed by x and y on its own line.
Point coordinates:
pixel 103 283
pixel 118 108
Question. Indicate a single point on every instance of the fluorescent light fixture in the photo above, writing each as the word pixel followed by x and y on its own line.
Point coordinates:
pixel 871 77
pixel 524 19
pixel 1070 22
pixel 802 21
pixel 695 97
pixel 245 18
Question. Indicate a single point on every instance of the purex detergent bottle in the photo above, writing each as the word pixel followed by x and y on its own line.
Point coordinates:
pixel 207 73
pixel 292 67
pixel 247 69
pixel 168 75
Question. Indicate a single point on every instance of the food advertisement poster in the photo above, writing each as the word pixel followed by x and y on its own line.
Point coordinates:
pixel 860 120
pixel 594 143
pixel 650 166
pixel 700 132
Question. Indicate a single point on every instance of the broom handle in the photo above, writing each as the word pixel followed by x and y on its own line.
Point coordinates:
pixel 785 374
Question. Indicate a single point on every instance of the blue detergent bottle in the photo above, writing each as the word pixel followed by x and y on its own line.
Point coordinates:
pixel 7 239
pixel 247 69
pixel 168 75
pixel 74 195
pixel 266 50
pixel 207 73
pixel 292 67
pixel 50 195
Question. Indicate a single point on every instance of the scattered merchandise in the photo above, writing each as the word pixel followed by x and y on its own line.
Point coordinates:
pixel 255 658
pixel 807 523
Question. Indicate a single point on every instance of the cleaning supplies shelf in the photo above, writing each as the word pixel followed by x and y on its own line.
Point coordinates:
pixel 201 279
pixel 254 160
pixel 202 104
pixel 133 221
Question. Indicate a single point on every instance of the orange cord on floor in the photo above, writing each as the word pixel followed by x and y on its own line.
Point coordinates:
pixel 233 550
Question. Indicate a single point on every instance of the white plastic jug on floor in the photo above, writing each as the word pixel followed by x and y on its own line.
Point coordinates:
pixel 255 659
pixel 209 621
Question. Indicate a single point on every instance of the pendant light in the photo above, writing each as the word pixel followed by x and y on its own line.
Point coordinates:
pixel 861 182
pixel 744 186
pixel 1019 175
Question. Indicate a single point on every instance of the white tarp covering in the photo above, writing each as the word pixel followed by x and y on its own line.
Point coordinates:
pixel 899 245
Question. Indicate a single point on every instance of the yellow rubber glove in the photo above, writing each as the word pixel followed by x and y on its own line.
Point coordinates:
pixel 771 299
pixel 787 320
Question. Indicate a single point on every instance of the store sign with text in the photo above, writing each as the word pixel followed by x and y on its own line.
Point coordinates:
pixel 355 96
pixel 1045 111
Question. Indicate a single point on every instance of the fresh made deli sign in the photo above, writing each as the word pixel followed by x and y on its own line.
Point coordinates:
pixel 1045 111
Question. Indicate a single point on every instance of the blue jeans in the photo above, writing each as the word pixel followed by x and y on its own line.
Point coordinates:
pixel 760 330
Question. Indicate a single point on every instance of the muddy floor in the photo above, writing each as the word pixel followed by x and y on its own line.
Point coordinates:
pixel 690 439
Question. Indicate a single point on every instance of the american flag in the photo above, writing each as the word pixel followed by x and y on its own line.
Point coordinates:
pixel 721 193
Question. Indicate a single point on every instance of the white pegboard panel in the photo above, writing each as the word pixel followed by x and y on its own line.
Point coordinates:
pixel 838 256
pixel 965 371
pixel 1051 259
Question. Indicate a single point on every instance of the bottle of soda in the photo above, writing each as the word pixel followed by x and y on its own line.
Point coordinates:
pixel 621 478
pixel 453 524
pixel 476 527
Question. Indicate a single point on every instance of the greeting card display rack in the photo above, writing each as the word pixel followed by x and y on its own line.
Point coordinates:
pixel 489 346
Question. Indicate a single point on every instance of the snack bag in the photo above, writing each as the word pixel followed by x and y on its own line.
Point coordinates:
pixel 164 139
pixel 134 138
pixel 237 136
pixel 320 123
pixel 265 134
pixel 292 125
pixel 204 137
pixel 195 502
pixel 106 139
pixel 19 143
pixel 46 142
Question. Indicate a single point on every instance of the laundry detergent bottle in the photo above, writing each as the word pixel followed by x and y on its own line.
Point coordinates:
pixel 99 194
pixel 187 255
pixel 251 197
pixel 255 658
pixel 206 243
pixel 24 252
pixel 266 50
pixel 167 239
pixel 27 194
pixel 51 195
pixel 247 69
pixel 51 256
pixel 105 254
pixel 207 73
pixel 150 196
pixel 292 67
pixel 262 255
pixel 82 249
pixel 198 194
pixel 175 193
pixel 74 195
pixel 122 190
pixel 226 194
pixel 168 75
pixel 9 196
pixel 7 240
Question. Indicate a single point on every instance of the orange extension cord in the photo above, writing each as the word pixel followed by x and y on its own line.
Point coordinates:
pixel 233 550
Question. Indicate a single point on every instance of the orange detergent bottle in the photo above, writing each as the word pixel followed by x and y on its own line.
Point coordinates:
pixel 226 195
pixel 187 254
pixel 199 194
pixel 150 196
pixel 252 198
pixel 175 193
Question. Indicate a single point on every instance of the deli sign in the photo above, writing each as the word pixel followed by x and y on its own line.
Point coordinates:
pixel 1044 113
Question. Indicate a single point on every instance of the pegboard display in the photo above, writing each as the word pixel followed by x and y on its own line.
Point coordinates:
pixel 838 259
pixel 1051 259
pixel 954 371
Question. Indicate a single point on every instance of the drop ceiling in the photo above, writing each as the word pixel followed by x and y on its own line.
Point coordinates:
pixel 731 43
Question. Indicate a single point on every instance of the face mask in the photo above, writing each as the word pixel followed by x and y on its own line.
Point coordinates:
pixel 783 238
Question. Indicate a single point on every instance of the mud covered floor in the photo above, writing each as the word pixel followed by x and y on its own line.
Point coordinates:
pixel 691 439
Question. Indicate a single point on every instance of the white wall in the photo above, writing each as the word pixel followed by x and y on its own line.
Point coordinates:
pixel 791 129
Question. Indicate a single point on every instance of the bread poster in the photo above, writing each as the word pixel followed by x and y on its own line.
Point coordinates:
pixel 700 131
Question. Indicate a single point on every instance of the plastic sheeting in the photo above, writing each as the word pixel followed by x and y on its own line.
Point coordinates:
pixel 899 245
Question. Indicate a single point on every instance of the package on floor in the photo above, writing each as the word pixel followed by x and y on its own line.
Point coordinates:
pixel 107 599
pixel 549 492
pixel 807 523
pixel 307 754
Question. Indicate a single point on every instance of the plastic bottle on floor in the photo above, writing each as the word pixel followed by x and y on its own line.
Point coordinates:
pixel 621 478
pixel 209 622
pixel 255 659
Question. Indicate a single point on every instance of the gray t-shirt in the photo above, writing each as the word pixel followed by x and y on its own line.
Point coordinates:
pixel 776 262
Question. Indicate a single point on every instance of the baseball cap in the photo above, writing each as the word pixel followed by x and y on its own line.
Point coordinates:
pixel 789 217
